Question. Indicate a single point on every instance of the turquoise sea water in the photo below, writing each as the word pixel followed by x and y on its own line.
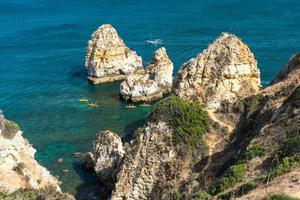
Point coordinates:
pixel 42 48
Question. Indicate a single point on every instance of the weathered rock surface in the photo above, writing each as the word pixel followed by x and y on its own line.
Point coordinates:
pixel 108 58
pixel 151 85
pixel 146 163
pixel 291 68
pixel 18 168
pixel 225 71
pixel 107 153
pixel 267 119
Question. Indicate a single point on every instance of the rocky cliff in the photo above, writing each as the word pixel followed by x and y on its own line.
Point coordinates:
pixel 225 71
pixel 18 168
pixel 108 152
pixel 108 58
pixel 151 85
pixel 244 147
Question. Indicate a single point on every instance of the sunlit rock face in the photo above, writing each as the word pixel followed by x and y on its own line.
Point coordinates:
pixel 151 85
pixel 18 168
pixel 108 58
pixel 225 71
pixel 107 154
pixel 146 163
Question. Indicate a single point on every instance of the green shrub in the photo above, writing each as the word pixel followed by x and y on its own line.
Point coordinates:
pixel 22 194
pixel 28 194
pixel 175 194
pixel 188 120
pixel 252 152
pixel 280 197
pixel 286 165
pixel 10 129
pixel 287 157
pixel 31 194
pixel 290 147
pixel 235 174
pixel 202 196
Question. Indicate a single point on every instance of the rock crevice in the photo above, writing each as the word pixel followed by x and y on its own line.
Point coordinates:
pixel 151 85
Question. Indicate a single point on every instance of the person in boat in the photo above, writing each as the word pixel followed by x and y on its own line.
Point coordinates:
pixel 130 106
pixel 144 103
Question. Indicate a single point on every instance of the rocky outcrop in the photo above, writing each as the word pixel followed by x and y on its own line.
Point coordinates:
pixel 291 68
pixel 146 163
pixel 151 85
pixel 18 168
pixel 107 57
pixel 225 71
pixel 268 125
pixel 107 154
pixel 244 139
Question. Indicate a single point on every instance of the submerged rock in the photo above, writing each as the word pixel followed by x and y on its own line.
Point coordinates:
pixel 18 168
pixel 108 152
pixel 224 71
pixel 108 58
pixel 151 85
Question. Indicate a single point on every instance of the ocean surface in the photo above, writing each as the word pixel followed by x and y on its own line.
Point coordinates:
pixel 42 49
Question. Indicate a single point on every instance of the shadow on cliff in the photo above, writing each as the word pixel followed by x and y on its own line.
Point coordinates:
pixel 130 129
pixel 249 125
pixel 92 188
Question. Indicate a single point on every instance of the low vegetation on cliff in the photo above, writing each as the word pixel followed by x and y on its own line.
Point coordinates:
pixel 236 173
pixel 188 120
pixel 10 129
pixel 33 194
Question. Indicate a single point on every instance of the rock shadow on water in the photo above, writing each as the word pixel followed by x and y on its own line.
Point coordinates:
pixel 130 129
pixel 79 72
pixel 92 188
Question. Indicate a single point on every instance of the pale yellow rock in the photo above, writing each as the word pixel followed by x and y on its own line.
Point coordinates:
pixel 225 71
pixel 151 85
pixel 18 168
pixel 145 163
pixel 108 58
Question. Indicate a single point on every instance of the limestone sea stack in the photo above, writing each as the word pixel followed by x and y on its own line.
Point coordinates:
pixel 225 71
pixel 151 85
pixel 18 168
pixel 107 154
pixel 108 58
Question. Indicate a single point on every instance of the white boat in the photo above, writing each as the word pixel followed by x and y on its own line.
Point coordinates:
pixel 155 42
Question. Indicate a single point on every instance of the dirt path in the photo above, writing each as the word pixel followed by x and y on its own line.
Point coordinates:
pixel 213 140
pixel 212 115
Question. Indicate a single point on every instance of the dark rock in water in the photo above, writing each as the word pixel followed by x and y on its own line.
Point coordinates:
pixel 106 157
pixel 108 153
pixel 88 161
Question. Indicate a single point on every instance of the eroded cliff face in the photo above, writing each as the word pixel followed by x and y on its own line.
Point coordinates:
pixel 108 152
pixel 148 158
pixel 252 138
pixel 225 71
pixel 18 168
pixel 263 144
pixel 108 58
pixel 151 85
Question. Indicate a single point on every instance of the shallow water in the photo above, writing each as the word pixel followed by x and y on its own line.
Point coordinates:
pixel 42 54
